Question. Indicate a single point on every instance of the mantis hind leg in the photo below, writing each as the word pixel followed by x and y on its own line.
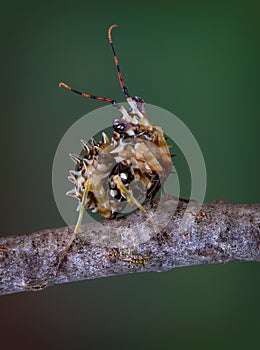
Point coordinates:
pixel 133 201
pixel 77 227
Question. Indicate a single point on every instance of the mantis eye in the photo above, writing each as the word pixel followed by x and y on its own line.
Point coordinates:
pixel 120 125
pixel 140 104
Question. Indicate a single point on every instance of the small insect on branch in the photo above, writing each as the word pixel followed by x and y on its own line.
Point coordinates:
pixel 134 161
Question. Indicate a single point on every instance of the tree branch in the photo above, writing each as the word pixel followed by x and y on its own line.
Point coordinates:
pixel 218 232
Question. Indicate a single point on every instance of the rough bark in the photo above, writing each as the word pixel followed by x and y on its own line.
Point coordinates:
pixel 218 232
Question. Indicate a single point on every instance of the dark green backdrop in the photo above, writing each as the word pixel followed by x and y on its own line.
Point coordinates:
pixel 199 60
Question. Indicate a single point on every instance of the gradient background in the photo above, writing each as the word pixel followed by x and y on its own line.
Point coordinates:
pixel 199 60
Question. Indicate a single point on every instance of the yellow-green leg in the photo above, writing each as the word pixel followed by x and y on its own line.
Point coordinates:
pixel 77 227
pixel 133 201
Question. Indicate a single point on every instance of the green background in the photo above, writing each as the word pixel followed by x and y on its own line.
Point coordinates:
pixel 197 59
